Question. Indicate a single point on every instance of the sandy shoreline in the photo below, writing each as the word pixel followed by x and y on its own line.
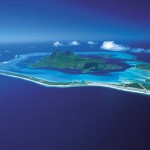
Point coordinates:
pixel 88 84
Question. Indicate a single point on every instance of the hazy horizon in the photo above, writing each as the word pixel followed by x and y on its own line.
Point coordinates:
pixel 43 20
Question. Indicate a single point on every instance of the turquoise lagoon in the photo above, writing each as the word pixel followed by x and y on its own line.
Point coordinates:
pixel 20 65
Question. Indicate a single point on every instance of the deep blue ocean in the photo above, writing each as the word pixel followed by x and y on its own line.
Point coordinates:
pixel 33 117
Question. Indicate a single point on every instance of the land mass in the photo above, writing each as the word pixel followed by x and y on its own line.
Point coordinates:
pixel 68 60
pixel 65 59
pixel 131 87
pixel 143 66
pixel 147 80
pixel 138 85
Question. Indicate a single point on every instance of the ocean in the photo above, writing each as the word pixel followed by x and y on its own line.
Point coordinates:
pixel 33 117
pixel 36 117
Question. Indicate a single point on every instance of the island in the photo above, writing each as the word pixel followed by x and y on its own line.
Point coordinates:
pixel 145 67
pixel 47 69
pixel 69 60
pixel 135 85
pixel 147 80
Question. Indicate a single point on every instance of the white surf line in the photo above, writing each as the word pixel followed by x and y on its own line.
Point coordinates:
pixel 37 82
pixel 90 84
pixel 143 87
pixel 127 89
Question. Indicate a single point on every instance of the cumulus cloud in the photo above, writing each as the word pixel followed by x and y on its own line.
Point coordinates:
pixel 74 43
pixel 57 44
pixel 112 46
pixel 91 43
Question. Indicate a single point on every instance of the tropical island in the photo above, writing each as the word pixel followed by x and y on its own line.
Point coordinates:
pixel 47 69
pixel 136 85
pixel 147 80
pixel 145 67
pixel 68 60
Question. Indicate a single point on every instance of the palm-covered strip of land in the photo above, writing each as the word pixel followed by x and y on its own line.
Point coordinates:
pixel 138 85
pixel 144 66
pixel 69 60
pixel 147 80
pixel 42 81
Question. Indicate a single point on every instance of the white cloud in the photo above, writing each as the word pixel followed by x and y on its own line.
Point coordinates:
pixel 74 43
pixel 137 50
pixel 57 44
pixel 140 50
pixel 91 43
pixel 112 46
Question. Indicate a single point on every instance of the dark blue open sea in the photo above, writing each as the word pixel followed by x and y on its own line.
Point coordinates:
pixel 33 117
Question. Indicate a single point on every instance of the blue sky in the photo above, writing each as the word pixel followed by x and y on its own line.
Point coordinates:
pixel 48 20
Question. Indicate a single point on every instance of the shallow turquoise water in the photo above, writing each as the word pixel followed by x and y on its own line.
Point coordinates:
pixel 129 75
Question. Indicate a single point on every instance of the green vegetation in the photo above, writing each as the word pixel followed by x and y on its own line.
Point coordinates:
pixel 50 83
pixel 143 67
pixel 134 85
pixel 146 86
pixel 138 86
pixel 147 80
pixel 69 60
